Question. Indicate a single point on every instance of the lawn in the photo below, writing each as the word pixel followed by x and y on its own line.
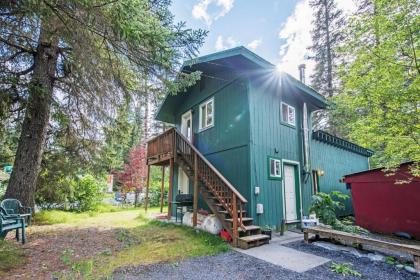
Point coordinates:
pixel 93 245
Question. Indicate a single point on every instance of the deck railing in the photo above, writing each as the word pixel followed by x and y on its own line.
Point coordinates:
pixel 161 145
pixel 172 141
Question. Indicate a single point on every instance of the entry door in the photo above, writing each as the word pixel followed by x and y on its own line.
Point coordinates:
pixel 183 181
pixel 186 125
pixel 290 196
pixel 186 130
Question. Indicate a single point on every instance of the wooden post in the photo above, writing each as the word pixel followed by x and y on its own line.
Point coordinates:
pixel 162 189
pixel 171 179
pixel 147 189
pixel 417 263
pixel 234 220
pixel 306 236
pixel 195 204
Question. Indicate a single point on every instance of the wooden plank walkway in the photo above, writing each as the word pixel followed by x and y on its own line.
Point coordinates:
pixel 413 250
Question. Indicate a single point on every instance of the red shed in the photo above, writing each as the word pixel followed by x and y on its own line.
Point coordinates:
pixel 381 205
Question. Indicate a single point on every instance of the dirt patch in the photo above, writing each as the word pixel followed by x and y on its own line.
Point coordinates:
pixel 50 250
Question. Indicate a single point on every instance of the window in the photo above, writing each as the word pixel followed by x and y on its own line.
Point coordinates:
pixel 207 114
pixel 288 114
pixel 274 168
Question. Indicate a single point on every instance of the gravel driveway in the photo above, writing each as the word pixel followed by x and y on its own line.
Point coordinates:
pixel 235 265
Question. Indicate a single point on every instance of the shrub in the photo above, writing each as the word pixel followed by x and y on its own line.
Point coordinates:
pixel 325 207
pixel 87 193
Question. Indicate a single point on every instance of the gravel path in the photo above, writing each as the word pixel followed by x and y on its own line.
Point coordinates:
pixel 235 265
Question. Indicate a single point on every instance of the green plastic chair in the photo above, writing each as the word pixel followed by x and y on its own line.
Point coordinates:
pixel 9 222
pixel 14 207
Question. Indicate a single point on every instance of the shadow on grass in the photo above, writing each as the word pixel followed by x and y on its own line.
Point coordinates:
pixel 11 256
pixel 96 251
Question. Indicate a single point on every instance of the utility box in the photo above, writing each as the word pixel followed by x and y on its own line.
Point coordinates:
pixel 260 208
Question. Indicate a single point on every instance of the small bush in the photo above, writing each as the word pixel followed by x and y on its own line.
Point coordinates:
pixel 87 193
pixel 325 207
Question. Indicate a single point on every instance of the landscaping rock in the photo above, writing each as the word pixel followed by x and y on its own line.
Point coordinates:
pixel 410 269
pixel 376 257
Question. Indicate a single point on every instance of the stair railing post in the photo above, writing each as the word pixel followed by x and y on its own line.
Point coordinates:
pixel 171 179
pixel 162 189
pixel 195 190
pixel 234 220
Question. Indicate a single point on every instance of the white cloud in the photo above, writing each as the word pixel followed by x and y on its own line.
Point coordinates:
pixel 296 32
pixel 201 10
pixel 223 44
pixel 253 45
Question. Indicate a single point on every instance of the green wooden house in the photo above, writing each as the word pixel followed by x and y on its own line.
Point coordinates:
pixel 244 145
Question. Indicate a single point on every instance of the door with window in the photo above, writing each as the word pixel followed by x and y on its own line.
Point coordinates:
pixel 186 125
pixel 290 193
pixel 186 130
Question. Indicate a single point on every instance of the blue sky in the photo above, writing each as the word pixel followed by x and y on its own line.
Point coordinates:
pixel 277 30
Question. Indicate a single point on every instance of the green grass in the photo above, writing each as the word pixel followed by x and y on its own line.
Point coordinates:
pixel 150 242
pixel 105 212
pixel 11 256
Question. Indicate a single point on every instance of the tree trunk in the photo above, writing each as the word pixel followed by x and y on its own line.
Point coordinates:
pixel 328 45
pixel 23 180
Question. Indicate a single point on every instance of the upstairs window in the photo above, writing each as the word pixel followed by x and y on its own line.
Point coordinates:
pixel 274 168
pixel 288 114
pixel 207 114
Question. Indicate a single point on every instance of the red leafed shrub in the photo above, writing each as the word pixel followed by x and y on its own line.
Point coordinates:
pixel 133 177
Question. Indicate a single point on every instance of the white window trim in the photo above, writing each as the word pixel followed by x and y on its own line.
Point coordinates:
pixel 279 167
pixel 205 103
pixel 281 115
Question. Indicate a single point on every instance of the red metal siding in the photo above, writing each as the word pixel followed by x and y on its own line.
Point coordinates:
pixel 382 206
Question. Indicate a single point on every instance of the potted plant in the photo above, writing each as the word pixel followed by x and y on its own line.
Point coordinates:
pixel 266 230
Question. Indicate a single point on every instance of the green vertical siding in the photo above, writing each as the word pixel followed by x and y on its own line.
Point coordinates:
pixel 248 129
pixel 226 144
pixel 336 163
pixel 271 137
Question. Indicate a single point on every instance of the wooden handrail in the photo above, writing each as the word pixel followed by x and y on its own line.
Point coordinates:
pixel 170 143
pixel 228 184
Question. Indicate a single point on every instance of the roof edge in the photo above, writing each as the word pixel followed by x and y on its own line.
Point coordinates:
pixel 330 139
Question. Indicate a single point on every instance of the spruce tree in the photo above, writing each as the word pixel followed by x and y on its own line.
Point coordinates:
pixel 81 58
pixel 326 37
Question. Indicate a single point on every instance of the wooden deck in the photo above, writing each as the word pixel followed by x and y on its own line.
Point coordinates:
pixel 220 195
pixel 413 250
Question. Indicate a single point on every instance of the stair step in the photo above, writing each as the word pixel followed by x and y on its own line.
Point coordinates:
pixel 249 228
pixel 227 212
pixel 256 237
pixel 221 205
pixel 244 219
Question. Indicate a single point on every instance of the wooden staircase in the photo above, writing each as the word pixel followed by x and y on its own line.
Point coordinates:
pixel 219 194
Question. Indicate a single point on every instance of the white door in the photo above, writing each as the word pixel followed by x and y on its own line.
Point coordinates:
pixel 186 125
pixel 186 130
pixel 290 193
pixel 183 181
